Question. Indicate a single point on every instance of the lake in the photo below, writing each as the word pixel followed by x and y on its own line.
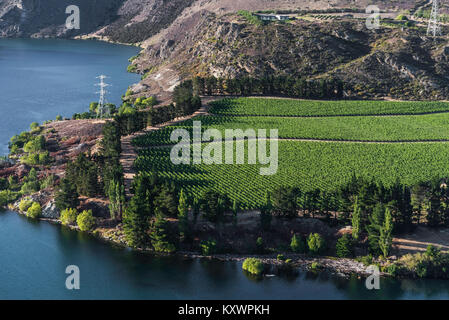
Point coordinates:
pixel 43 78
pixel 40 79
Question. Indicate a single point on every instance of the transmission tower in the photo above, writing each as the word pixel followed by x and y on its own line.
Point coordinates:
pixel 101 109
pixel 434 27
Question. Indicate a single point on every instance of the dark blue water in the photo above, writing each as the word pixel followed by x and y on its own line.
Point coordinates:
pixel 40 79
pixel 34 256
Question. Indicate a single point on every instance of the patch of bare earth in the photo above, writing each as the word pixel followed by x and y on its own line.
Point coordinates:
pixel 420 239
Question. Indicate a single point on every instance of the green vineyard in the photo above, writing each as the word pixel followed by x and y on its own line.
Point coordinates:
pixel 427 127
pixel 307 164
pixel 311 108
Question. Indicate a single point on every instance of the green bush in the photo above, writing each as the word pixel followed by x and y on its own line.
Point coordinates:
pixel 316 243
pixel 30 187
pixel 344 246
pixel 34 211
pixel 253 266
pixel 280 257
pixel 392 269
pixel 25 205
pixel 366 260
pixel 68 216
pixel 297 244
pixel 132 68
pixel 86 221
pixel 260 247
pixel 208 247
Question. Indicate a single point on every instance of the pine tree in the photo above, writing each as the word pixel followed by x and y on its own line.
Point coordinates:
pixel 159 236
pixel 67 196
pixel 374 228
pixel 356 220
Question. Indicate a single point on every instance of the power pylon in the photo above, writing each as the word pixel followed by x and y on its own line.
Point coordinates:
pixel 434 26
pixel 101 109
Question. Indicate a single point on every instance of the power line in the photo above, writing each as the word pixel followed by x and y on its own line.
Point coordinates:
pixel 434 27
pixel 101 109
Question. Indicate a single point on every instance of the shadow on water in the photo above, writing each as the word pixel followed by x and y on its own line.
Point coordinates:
pixel 39 252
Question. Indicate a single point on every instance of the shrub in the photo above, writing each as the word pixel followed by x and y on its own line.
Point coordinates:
pixel 392 269
pixel 297 244
pixel 86 221
pixel 280 257
pixel 30 187
pixel 315 266
pixel 68 216
pixel 253 266
pixel 34 211
pixel 260 245
pixel 344 247
pixel 208 247
pixel 316 243
pixel 366 260
pixel 34 125
pixel 25 205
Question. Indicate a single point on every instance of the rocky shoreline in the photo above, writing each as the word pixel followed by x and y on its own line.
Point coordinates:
pixel 343 267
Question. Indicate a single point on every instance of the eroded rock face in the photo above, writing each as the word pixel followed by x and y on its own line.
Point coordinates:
pixel 50 211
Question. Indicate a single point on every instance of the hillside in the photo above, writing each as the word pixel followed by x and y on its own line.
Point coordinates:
pixel 186 38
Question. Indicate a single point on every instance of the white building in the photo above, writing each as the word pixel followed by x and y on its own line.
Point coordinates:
pixel 272 17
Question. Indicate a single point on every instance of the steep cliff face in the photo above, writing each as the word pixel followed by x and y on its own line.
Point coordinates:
pixel 184 38
pixel 394 62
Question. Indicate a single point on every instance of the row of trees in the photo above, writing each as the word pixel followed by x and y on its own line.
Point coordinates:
pixel 92 175
pixel 131 119
pixel 329 88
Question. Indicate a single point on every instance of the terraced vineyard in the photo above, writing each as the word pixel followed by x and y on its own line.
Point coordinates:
pixel 311 108
pixel 429 127
pixel 311 164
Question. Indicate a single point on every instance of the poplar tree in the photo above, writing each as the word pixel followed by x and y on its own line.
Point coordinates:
pixel 356 220
pixel 386 234
pixel 183 210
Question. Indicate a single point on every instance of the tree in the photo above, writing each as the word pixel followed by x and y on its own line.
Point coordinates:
pixel 116 196
pixel 67 196
pixel 344 246
pixel 356 220
pixel 284 202
pixel 235 210
pixel 297 244
pixel 86 221
pixel 34 211
pixel 265 213
pixel 385 237
pixel 213 205
pixel 183 210
pixel 376 220
pixel 159 236
pixel 253 266
pixel 68 216
pixel 316 243
pixel 165 200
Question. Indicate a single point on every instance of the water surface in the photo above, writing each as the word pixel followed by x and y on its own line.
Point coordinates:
pixel 40 79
